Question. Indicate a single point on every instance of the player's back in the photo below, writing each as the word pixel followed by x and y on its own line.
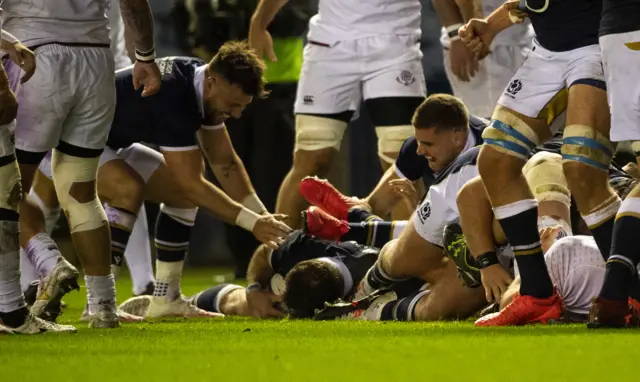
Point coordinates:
pixel 164 119
pixel 37 22
pixel 351 19
pixel 563 25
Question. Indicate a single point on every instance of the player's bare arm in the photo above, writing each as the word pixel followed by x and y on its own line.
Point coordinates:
pixel 259 275
pixel 470 9
pixel 229 169
pixel 478 34
pixel 138 23
pixel 383 198
pixel 20 54
pixel 187 168
pixel 453 14
pixel 476 219
pixel 259 38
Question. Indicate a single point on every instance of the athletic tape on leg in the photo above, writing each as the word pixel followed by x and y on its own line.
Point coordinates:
pixel 545 176
pixel 586 145
pixel 316 133
pixel 391 139
pixel 510 135
pixel 67 170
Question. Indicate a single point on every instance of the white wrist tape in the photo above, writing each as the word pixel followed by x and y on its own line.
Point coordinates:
pixel 453 28
pixel 146 57
pixel 247 219
pixel 8 37
pixel 253 202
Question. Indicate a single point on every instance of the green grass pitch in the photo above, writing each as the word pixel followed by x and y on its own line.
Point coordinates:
pixel 237 349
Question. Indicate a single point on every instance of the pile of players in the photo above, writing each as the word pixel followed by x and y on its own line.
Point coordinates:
pixel 525 219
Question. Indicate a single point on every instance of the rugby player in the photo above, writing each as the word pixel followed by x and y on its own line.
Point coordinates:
pixel 356 51
pixel 297 278
pixel 563 71
pixel 620 45
pixel 71 115
pixel 462 192
pixel 196 100
pixel 442 130
pixel 14 315
pixel 138 253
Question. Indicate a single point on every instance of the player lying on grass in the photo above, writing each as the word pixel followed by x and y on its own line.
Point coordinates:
pixel 418 252
pixel 296 279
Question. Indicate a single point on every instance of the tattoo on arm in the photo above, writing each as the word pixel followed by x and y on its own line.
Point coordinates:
pixel 138 20
pixel 229 168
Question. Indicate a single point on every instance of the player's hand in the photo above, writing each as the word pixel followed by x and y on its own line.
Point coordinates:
pixel 495 280
pixel 477 36
pixel 260 40
pixel 261 304
pixel 632 169
pixel 147 76
pixel 548 236
pixel 270 230
pixel 23 57
pixel 405 190
pixel 464 63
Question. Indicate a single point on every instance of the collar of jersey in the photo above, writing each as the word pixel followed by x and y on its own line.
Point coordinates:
pixel 198 82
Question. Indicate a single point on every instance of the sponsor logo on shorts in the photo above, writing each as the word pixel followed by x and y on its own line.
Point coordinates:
pixel 514 87
pixel 307 100
pixel 406 78
pixel 425 211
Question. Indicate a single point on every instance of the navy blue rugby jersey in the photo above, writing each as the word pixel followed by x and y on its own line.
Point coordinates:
pixel 412 166
pixel 168 119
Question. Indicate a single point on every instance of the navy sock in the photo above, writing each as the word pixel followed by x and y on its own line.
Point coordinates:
pixel 403 309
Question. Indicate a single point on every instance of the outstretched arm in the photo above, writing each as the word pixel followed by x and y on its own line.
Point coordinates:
pixel 229 169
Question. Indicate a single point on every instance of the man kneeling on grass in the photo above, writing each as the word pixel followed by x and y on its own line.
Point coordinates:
pixel 295 279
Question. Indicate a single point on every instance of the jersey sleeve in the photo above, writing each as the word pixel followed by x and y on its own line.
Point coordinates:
pixel 409 164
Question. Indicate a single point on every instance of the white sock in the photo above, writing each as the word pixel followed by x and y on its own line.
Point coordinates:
pixel 138 254
pixel 28 272
pixel 168 279
pixel 11 297
pixel 101 290
pixel 43 253
pixel 51 215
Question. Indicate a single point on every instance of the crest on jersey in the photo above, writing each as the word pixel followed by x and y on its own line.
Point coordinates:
pixel 514 87
pixel 425 211
pixel 406 78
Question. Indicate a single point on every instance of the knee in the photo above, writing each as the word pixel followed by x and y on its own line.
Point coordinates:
pixel 493 164
pixel 125 190
pixel 313 162
pixel 508 142
pixel 545 175
pixel 74 179
pixel 585 153
pixel 8 107
pixel 10 186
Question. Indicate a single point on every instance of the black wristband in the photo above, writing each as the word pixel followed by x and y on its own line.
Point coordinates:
pixel 487 259
pixel 453 34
